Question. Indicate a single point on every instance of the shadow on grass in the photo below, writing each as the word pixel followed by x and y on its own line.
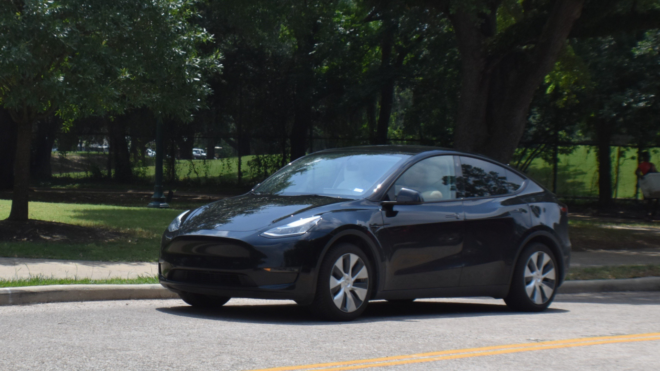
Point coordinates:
pixel 291 314
pixel 152 220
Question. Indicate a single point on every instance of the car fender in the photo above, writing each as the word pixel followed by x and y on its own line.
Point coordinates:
pixel 370 242
pixel 535 233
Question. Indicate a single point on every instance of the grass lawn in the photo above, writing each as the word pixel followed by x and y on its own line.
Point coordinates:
pixel 42 281
pixel 142 227
pixel 225 169
pixel 613 272
pixel 612 234
pixel 578 172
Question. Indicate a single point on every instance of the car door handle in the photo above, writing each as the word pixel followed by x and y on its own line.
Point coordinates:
pixel 453 216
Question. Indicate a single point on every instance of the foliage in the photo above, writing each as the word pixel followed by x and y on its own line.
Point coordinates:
pixel 81 57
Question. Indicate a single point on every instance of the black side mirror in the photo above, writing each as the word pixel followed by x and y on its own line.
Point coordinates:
pixel 408 197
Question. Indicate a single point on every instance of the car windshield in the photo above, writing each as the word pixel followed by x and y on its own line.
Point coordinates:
pixel 332 174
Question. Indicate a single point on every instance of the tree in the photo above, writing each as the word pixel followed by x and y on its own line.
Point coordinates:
pixel 83 57
pixel 507 48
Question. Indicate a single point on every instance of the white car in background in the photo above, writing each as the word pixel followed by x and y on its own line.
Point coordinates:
pixel 199 154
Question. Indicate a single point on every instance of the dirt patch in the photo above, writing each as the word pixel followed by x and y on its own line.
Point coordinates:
pixel 42 231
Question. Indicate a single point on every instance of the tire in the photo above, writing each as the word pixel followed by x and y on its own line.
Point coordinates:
pixel 203 301
pixel 534 283
pixel 344 284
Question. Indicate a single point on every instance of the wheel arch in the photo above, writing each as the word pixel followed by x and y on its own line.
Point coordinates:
pixel 363 241
pixel 547 239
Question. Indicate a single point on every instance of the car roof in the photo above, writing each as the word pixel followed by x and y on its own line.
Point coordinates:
pixel 413 151
pixel 383 149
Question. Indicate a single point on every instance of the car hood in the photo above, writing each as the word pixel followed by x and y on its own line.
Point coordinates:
pixel 250 212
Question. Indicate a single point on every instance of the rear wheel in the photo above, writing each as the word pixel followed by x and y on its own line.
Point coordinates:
pixel 535 279
pixel 203 301
pixel 344 284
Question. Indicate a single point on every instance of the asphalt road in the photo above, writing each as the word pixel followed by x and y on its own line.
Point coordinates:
pixel 454 334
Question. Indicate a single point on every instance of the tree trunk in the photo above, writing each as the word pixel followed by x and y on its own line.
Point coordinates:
pixel 42 148
pixel 7 150
pixel 304 93
pixel 302 117
pixel 371 120
pixel 603 137
pixel 387 89
pixel 120 153
pixel 19 205
pixel 496 91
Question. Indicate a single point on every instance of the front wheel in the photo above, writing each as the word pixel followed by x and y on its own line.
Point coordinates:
pixel 344 284
pixel 203 301
pixel 535 279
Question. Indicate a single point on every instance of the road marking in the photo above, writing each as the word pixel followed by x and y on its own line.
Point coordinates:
pixel 470 352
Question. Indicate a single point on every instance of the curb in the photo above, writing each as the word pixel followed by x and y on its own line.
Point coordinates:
pixel 71 293
pixel 68 293
pixel 625 284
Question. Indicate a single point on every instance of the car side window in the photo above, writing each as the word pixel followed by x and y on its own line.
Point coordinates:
pixel 482 179
pixel 434 178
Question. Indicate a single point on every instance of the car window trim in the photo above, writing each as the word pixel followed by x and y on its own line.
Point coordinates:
pixel 506 167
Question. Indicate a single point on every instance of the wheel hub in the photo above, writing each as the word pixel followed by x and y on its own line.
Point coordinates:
pixel 349 282
pixel 540 277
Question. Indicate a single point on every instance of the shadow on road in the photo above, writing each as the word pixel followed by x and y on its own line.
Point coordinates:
pixel 287 314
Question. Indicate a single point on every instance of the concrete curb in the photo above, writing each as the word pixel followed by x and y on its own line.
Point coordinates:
pixel 627 284
pixel 69 293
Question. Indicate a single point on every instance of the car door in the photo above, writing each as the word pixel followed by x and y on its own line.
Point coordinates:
pixel 494 218
pixel 423 243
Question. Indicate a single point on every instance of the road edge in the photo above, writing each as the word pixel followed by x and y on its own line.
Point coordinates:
pixel 72 293
pixel 69 293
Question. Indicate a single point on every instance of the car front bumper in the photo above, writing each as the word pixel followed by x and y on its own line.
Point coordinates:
pixel 263 269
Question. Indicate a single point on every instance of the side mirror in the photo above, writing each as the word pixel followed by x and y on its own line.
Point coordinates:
pixel 405 197
pixel 408 197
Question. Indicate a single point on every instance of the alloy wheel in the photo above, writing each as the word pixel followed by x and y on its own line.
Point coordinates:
pixel 540 277
pixel 349 283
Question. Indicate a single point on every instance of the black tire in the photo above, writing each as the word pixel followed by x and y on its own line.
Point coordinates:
pixel 203 301
pixel 518 298
pixel 323 305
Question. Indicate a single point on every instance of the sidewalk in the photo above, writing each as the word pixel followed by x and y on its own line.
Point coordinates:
pixel 17 268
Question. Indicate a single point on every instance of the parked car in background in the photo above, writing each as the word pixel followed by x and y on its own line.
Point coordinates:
pixel 151 152
pixel 337 228
pixel 199 153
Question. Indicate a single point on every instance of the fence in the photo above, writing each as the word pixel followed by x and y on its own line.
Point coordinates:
pixel 577 167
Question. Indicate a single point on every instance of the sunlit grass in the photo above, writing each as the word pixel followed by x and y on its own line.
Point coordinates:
pixel 44 281
pixel 143 227
pixel 613 272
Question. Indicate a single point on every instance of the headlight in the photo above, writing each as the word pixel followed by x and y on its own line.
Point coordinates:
pixel 296 228
pixel 176 223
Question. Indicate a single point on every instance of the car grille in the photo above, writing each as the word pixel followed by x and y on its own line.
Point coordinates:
pixel 206 278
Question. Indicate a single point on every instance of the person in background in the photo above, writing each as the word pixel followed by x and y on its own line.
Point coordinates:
pixel 645 166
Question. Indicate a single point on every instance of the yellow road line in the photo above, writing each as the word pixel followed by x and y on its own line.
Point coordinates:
pixel 470 352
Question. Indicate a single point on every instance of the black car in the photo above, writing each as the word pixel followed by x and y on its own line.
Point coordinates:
pixel 337 228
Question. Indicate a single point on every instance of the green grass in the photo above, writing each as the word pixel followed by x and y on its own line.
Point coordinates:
pixel 43 281
pixel 600 234
pixel 143 226
pixel 225 169
pixel 578 172
pixel 613 272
